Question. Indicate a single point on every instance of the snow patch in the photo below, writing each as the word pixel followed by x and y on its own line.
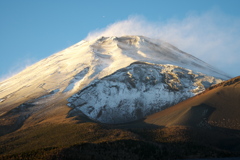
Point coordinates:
pixel 1 100
pixel 76 80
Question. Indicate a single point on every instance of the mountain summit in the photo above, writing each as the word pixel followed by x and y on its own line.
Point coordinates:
pixel 110 80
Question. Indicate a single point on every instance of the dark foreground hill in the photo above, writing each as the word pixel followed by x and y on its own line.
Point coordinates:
pixel 206 125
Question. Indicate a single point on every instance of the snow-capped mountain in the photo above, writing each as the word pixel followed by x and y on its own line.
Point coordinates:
pixel 111 79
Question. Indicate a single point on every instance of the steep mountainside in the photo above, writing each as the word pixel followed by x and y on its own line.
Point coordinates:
pixel 107 79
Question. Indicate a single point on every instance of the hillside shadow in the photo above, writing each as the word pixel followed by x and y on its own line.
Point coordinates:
pixel 14 119
pixel 191 131
pixel 139 150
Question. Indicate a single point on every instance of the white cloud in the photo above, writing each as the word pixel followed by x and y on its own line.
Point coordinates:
pixel 212 36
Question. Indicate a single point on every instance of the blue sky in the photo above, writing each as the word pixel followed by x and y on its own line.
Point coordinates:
pixel 31 30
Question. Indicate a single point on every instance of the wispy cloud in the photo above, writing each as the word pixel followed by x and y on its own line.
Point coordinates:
pixel 17 67
pixel 211 36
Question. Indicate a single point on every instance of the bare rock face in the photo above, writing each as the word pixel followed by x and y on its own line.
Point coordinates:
pixel 137 91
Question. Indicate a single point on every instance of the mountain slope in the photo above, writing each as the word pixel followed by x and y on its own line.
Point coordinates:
pixel 163 71
pixel 218 106
pixel 73 71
